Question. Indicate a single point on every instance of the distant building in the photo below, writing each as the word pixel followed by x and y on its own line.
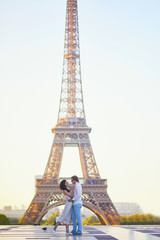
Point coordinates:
pixel 127 209
pixel 7 208
pixel 12 213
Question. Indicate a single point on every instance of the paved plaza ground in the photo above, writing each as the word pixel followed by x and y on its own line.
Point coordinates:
pixel 89 233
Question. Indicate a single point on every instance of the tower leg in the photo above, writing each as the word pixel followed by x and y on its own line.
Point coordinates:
pixel 47 196
pixel 54 162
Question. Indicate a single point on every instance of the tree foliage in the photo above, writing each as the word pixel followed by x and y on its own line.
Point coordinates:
pixel 14 221
pixel 51 220
pixel 93 220
pixel 4 220
pixel 138 219
pixel 20 220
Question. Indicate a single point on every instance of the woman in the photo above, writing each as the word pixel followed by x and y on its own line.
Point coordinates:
pixel 67 212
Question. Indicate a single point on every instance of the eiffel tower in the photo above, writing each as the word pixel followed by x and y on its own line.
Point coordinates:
pixel 71 130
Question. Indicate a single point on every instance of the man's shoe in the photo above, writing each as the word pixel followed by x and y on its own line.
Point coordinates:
pixel 72 232
pixel 77 233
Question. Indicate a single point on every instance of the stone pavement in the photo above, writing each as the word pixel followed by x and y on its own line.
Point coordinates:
pixel 89 233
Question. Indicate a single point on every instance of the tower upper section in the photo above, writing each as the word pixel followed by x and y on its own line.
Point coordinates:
pixel 71 108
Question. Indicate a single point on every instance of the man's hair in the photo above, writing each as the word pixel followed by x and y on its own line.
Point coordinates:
pixel 75 178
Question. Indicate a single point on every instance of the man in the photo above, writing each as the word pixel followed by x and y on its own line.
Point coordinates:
pixel 77 204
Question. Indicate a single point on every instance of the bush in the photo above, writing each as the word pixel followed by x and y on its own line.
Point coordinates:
pixel 13 221
pixel 4 220
pixel 93 220
pixel 140 219
pixel 51 220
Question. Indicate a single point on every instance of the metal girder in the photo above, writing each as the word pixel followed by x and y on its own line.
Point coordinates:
pixel 94 197
pixel 75 137
pixel 71 130
pixel 71 99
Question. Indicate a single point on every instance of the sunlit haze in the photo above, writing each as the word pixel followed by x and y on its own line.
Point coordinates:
pixel 120 49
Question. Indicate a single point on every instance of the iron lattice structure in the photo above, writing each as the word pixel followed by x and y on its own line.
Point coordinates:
pixel 71 130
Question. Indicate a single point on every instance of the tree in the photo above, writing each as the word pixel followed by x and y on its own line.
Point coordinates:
pixel 91 221
pixel 20 220
pixel 4 220
pixel 51 220
pixel 140 219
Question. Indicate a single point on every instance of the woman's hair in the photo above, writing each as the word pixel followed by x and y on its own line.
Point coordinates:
pixel 63 186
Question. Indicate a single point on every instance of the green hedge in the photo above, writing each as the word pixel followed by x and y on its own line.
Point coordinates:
pixel 4 220
pixel 140 219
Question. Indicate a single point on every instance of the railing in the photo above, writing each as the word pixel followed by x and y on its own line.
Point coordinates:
pixel 91 181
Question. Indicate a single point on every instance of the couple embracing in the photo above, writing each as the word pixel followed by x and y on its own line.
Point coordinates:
pixel 72 207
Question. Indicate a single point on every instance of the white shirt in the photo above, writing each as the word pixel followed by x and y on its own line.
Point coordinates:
pixel 77 193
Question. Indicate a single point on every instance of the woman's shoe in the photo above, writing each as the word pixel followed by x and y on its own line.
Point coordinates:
pixel 54 232
pixel 72 232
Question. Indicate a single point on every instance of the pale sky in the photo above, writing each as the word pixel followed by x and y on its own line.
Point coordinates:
pixel 120 49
